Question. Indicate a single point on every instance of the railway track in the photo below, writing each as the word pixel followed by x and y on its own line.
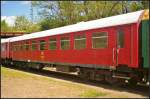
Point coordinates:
pixel 138 89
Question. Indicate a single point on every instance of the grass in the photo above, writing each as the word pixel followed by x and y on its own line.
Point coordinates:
pixel 92 94
pixel 9 73
pixel 84 91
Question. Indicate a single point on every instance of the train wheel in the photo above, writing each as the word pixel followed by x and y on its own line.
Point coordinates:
pixel 132 82
pixel 84 74
pixel 40 67
pixel 121 82
pixel 110 80
pixel 80 73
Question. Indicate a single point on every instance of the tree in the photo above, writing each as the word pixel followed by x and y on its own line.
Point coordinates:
pixel 23 24
pixel 4 26
pixel 145 4
pixel 59 13
pixel 33 28
pixel 135 5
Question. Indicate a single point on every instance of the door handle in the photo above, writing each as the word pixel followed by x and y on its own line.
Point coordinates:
pixel 113 55
pixel 118 51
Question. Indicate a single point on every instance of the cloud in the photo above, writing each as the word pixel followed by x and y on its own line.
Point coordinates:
pixel 10 20
pixel 25 2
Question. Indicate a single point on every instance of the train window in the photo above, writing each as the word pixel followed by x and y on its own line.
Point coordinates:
pixel 34 45
pixel 80 41
pixel 52 44
pixel 24 45
pixel 120 38
pixel 14 48
pixel 99 40
pixel 27 46
pixel 65 43
pixel 3 47
pixel 21 46
pixel 42 45
pixel 17 47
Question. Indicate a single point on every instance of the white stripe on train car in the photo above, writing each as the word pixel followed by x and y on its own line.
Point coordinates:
pixel 127 18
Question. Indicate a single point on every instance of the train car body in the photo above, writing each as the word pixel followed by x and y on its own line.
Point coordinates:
pixel 5 48
pixel 115 43
pixel 108 55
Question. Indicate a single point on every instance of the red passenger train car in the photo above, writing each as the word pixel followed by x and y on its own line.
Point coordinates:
pixel 107 48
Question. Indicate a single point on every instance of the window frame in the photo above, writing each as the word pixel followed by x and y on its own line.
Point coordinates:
pixel 67 36
pixel 3 47
pixel 35 44
pixel 118 37
pixel 27 43
pixel 80 39
pixel 100 37
pixel 49 43
pixel 44 45
pixel 21 46
pixel 14 47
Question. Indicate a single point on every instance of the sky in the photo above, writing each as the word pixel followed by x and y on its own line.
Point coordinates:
pixel 11 9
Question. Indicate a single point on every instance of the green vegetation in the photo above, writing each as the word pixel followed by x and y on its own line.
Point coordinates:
pixel 4 25
pixel 60 13
pixel 92 94
pixel 6 72
pixel 82 90
pixel 22 24
pixel 52 14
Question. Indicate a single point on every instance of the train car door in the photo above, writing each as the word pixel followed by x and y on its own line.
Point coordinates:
pixel 123 45
pixel 7 50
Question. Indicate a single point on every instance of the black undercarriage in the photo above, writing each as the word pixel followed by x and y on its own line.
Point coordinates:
pixel 118 76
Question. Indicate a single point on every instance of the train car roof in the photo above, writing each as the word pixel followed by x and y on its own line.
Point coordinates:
pixel 132 17
pixel 5 40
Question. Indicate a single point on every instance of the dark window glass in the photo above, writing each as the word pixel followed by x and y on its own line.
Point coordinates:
pixel 27 46
pixel 11 47
pixel 120 38
pixel 99 40
pixel 34 45
pixel 15 48
pixel 80 41
pixel 65 43
pixel 24 46
pixel 42 45
pixel 52 44
pixel 21 46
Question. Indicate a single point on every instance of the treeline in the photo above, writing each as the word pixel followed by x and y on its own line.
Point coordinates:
pixel 52 14
pixel 22 24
